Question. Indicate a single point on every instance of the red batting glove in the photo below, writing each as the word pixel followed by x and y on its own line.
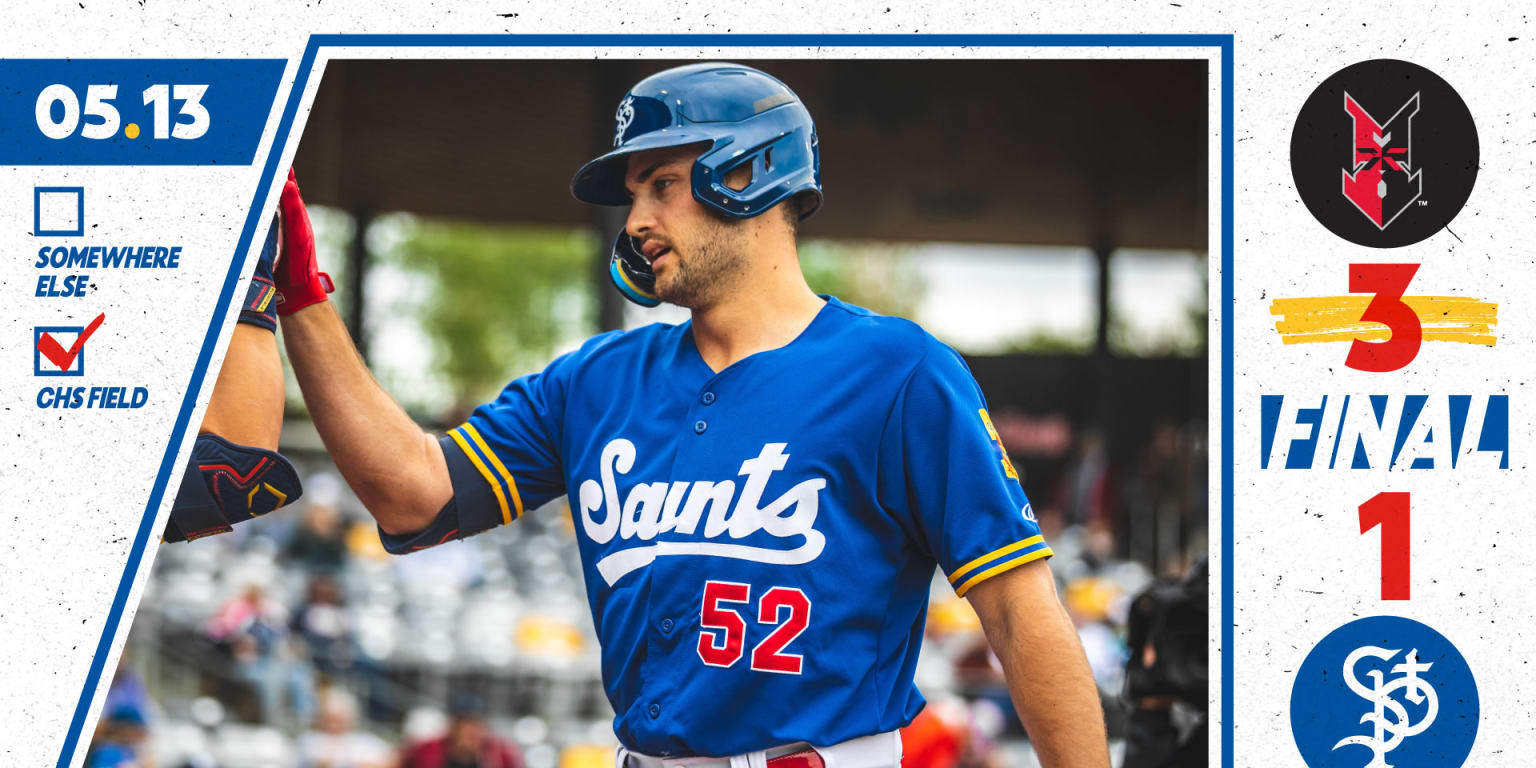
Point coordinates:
pixel 297 276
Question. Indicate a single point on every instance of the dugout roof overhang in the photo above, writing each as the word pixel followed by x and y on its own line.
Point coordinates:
pixel 1094 153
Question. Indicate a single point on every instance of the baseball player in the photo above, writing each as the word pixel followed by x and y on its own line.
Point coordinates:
pixel 760 495
pixel 235 472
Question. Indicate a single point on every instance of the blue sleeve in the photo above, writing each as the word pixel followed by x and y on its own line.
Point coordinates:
pixel 505 459
pixel 944 472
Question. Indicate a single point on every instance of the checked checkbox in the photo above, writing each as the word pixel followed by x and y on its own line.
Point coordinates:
pixel 51 358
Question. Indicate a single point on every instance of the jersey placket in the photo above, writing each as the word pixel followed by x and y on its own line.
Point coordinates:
pixel 673 616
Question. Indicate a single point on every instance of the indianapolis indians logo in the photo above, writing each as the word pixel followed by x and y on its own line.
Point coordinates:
pixel 1384 153
pixel 1382 182
pixel 622 118
pixel 1384 692
pixel 1387 720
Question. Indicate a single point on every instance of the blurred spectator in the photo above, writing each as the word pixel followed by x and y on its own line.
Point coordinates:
pixel 469 742
pixel 1161 508
pixel 323 627
pixel 119 741
pixel 1088 601
pixel 252 628
pixel 932 741
pixel 319 542
pixel 1086 492
pixel 127 691
pixel 335 742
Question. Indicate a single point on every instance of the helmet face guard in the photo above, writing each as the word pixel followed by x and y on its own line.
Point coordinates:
pixel 742 117
pixel 631 272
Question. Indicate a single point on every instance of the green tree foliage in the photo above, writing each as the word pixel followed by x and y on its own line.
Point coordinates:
pixel 1190 340
pixel 502 299
pixel 876 276
pixel 1049 343
pixel 496 302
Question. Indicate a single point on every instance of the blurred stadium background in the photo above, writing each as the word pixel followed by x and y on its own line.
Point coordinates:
pixel 1048 219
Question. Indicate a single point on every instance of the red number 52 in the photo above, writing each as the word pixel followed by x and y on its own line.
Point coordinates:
pixel 722 632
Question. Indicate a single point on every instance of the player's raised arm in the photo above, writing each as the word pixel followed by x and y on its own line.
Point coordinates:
pixel 235 472
pixel 396 469
pixel 1048 675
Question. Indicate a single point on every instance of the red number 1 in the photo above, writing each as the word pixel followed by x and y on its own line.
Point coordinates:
pixel 1390 511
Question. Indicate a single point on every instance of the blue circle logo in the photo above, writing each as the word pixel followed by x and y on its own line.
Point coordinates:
pixel 1384 691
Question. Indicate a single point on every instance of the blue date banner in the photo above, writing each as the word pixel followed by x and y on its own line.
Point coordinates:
pixel 134 111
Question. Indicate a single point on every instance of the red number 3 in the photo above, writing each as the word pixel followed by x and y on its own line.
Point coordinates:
pixel 722 631
pixel 1387 281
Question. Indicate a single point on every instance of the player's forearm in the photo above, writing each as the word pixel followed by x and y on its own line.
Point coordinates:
pixel 247 402
pixel 1048 674
pixel 1052 686
pixel 396 469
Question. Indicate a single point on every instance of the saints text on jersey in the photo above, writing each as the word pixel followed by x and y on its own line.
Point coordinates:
pixel 653 508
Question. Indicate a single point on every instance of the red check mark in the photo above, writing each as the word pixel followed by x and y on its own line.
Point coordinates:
pixel 56 353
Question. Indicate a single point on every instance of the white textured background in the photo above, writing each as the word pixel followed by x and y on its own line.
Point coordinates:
pixel 75 482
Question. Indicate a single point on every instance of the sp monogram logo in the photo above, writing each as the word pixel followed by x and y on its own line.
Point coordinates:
pixel 1384 691
pixel 622 118
pixel 1388 720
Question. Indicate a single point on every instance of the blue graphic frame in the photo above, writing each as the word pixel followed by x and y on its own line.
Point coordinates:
pixel 1224 43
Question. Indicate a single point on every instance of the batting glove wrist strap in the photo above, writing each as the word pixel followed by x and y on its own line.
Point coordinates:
pixel 260 307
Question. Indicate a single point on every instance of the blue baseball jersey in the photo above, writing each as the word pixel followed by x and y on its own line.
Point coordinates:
pixel 758 542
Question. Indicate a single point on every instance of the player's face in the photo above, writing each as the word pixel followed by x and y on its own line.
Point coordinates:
pixel 696 254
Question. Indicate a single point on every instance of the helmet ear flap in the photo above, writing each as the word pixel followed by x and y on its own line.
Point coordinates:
pixel 631 272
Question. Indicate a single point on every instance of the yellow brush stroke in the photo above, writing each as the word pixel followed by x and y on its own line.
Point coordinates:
pixel 1337 318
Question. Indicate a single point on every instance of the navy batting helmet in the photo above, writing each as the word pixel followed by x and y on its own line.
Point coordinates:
pixel 743 115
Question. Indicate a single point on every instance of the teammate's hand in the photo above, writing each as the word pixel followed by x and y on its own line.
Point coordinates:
pixel 298 278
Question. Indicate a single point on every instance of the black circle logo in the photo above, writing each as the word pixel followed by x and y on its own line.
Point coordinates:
pixel 1384 153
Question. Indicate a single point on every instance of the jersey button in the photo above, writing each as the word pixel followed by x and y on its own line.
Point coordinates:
pixel 666 625
pixel 655 710
pixel 699 427
pixel 709 397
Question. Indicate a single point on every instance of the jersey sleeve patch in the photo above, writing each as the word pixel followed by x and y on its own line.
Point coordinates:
pixel 998 561
pixel 998 442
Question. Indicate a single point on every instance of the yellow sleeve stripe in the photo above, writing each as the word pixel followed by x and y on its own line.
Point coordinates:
pixel 1029 557
pixel 993 555
pixel 474 458
pixel 474 434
